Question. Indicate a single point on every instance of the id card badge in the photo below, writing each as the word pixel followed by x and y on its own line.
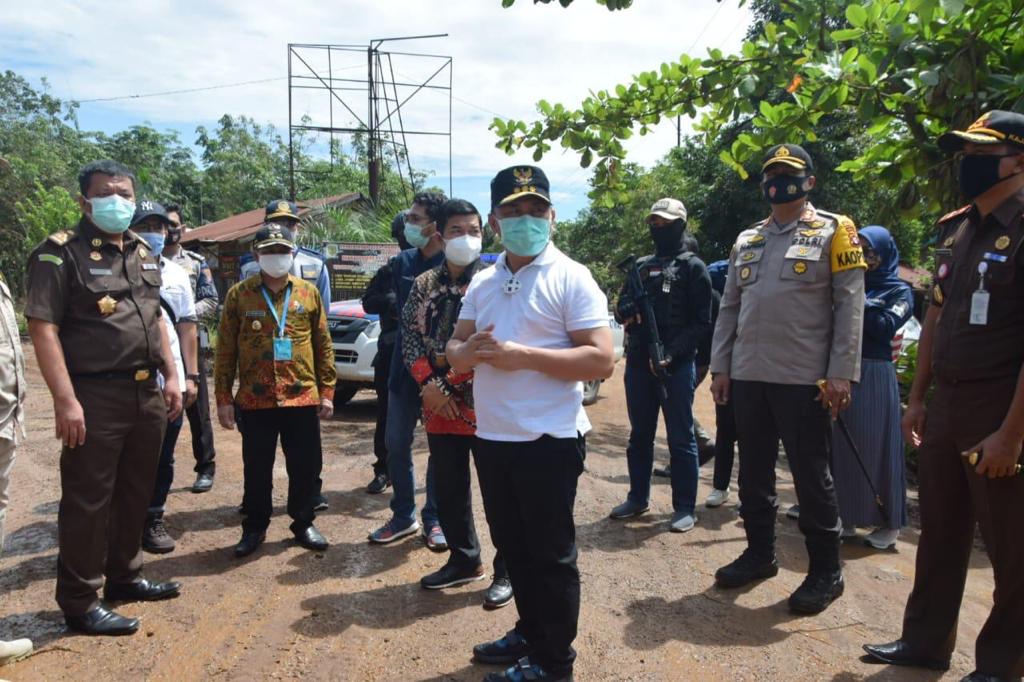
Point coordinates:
pixel 282 349
pixel 979 299
pixel 979 307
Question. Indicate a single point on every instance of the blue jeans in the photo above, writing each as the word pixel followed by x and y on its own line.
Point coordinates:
pixel 642 404
pixel 165 469
pixel 403 412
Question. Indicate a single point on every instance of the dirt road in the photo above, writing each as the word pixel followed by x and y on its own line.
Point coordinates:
pixel 356 612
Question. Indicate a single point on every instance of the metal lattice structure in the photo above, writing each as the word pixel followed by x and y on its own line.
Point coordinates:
pixel 385 98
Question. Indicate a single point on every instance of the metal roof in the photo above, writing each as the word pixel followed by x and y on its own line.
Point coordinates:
pixel 243 225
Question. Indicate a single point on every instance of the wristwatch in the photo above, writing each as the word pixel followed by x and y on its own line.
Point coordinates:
pixel 192 377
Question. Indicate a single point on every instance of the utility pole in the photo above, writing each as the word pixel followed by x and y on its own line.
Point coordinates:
pixel 372 157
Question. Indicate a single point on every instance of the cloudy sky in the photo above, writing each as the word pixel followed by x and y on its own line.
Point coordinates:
pixel 503 62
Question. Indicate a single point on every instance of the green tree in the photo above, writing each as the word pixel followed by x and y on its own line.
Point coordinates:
pixel 909 69
pixel 44 212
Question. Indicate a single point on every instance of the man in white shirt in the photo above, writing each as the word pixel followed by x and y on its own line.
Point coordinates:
pixel 179 307
pixel 532 328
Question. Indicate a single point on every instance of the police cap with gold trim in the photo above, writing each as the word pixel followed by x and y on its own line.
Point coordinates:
pixel 792 155
pixel 281 208
pixel 994 127
pixel 518 181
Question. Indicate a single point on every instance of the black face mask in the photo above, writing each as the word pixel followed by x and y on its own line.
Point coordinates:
pixel 979 173
pixel 668 240
pixel 783 189
pixel 173 235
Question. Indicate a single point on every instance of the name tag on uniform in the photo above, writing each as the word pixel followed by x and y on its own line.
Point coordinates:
pixel 309 271
pixel 150 266
pixel 282 349
pixel 100 271
pixel 255 313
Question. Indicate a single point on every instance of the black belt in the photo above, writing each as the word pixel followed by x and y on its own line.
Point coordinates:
pixel 140 374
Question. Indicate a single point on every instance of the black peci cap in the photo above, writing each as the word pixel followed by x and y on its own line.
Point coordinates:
pixel 518 181
pixel 994 127
pixel 792 155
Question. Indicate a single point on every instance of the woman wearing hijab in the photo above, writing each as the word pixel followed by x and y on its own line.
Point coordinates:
pixel 874 414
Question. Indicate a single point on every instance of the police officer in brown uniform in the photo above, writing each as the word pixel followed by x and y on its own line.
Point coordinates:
pixel 93 312
pixel 972 352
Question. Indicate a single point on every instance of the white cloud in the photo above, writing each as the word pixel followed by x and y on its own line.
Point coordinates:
pixel 504 60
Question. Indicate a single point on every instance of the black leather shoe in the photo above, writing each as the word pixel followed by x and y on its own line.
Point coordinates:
pixel 320 503
pixel 816 592
pixel 746 569
pixel 102 621
pixel 450 575
pixel 142 590
pixel 379 484
pixel 508 649
pixel 900 653
pixel 250 541
pixel 310 538
pixel 498 594
pixel 203 484
pixel 976 676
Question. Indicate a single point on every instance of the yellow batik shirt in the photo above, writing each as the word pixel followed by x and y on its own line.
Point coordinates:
pixel 245 348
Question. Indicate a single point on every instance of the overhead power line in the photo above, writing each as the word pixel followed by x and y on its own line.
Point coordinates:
pixel 181 92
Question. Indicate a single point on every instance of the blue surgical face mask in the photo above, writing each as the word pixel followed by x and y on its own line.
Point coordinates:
pixel 156 241
pixel 414 235
pixel 525 235
pixel 112 214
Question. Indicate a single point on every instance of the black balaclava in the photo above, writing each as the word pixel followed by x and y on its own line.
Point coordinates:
pixel 668 240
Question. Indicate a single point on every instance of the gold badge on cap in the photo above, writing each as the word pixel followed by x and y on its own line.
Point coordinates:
pixel 1003 242
pixel 782 152
pixel 95 255
pixel 256 325
pixel 283 206
pixel 97 243
pixel 107 305
pixel 800 267
pixel 745 273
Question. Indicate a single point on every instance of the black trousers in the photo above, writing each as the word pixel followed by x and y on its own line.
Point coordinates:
pixel 200 425
pixel 764 413
pixel 954 498
pixel 450 454
pixel 725 444
pixel 381 370
pixel 529 490
pixel 299 429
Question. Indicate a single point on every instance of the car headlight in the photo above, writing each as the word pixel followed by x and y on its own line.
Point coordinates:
pixel 372 331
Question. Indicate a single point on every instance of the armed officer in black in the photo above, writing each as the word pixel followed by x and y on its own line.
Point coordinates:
pixel 679 289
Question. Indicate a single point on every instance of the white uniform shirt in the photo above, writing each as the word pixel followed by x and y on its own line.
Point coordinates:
pixel 555 295
pixel 176 292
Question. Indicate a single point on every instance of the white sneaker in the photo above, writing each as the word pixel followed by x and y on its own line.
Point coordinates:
pixel 882 538
pixel 848 532
pixel 682 522
pixel 14 650
pixel 717 498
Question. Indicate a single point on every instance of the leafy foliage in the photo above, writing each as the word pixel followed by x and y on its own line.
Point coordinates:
pixel 908 69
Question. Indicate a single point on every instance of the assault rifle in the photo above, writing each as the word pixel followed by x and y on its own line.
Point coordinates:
pixel 642 302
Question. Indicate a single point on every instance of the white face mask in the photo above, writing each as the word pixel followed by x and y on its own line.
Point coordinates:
pixel 463 250
pixel 276 264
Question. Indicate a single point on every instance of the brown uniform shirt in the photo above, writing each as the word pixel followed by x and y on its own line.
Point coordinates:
pixel 971 352
pixel 104 300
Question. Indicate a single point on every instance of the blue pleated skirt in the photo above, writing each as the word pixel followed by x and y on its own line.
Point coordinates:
pixel 874 421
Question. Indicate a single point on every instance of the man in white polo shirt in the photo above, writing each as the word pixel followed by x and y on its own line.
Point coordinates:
pixel 532 328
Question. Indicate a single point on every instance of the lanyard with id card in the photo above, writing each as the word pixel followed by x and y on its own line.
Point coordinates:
pixel 282 345
pixel 979 299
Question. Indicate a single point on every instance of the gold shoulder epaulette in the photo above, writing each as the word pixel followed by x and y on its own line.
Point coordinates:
pixel 954 214
pixel 61 238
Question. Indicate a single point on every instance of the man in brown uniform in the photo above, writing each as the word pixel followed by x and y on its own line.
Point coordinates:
pixel 93 312
pixel 972 345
